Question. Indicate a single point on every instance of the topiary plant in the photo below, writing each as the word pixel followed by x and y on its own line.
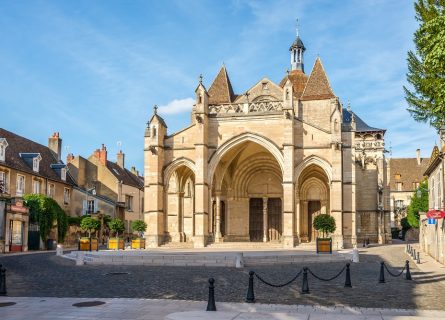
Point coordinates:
pixel 116 225
pixel 140 226
pixel 89 224
pixel 325 223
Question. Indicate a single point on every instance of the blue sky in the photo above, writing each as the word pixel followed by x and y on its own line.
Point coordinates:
pixel 92 70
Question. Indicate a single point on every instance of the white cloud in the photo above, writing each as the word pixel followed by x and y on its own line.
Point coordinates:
pixel 177 106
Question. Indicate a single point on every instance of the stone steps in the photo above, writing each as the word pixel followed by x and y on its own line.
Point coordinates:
pixel 246 245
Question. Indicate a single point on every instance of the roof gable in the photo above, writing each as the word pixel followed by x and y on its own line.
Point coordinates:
pixel 124 175
pixel 317 86
pixel 298 79
pixel 221 90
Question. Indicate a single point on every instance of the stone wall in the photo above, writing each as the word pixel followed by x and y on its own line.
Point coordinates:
pixel 432 238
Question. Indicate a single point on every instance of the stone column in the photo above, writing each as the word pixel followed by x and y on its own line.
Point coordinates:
pixel 304 220
pixel 298 219
pixel 265 220
pixel 181 216
pixel 218 236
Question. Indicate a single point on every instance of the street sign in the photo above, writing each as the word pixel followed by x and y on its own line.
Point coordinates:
pixel 436 214
pixel 431 221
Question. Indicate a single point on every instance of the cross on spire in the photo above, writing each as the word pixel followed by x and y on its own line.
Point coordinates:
pixel 297 27
pixel 200 78
pixel 155 109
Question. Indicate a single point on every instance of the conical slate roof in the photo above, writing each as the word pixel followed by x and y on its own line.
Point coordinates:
pixel 298 43
pixel 221 89
pixel 317 87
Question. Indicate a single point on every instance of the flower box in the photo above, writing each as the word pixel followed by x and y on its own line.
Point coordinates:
pixel 138 243
pixel 324 245
pixel 84 244
pixel 116 244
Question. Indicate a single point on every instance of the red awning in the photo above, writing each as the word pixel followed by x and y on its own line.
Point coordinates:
pixel 435 214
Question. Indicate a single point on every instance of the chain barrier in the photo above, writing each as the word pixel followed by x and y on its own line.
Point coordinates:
pixel 395 275
pixel 328 279
pixel 279 285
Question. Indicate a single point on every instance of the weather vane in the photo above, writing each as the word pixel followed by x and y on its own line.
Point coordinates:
pixel 298 27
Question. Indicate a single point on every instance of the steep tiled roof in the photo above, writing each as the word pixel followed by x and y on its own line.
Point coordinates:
pixel 361 126
pixel 18 144
pixel 409 172
pixel 221 89
pixel 298 43
pixel 298 79
pixel 125 175
pixel 317 87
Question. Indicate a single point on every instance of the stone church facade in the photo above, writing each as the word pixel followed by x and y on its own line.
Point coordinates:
pixel 259 166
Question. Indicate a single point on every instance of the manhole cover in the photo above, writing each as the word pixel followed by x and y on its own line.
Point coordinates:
pixel 88 304
pixel 7 304
pixel 116 273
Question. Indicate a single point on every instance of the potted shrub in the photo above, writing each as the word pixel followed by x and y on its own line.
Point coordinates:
pixel 139 226
pixel 116 225
pixel 326 224
pixel 89 225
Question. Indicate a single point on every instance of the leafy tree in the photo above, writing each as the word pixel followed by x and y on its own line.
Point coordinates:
pixel 45 211
pixel 426 67
pixel 116 225
pixel 140 226
pixel 89 224
pixel 418 204
pixel 325 223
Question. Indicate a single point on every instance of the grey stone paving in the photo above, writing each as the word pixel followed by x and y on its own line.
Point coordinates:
pixel 47 275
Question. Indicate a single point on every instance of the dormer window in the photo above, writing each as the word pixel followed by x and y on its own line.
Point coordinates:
pixel 3 145
pixel 63 174
pixel 36 163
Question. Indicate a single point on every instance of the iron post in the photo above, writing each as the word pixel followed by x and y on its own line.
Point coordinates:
pixel 2 281
pixel 418 258
pixel 408 273
pixel 382 272
pixel 348 283
pixel 250 294
pixel 211 301
pixel 305 286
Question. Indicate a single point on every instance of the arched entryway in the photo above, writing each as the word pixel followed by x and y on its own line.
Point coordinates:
pixel 180 203
pixel 247 185
pixel 312 199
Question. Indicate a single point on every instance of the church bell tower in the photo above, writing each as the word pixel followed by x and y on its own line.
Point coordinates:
pixel 297 50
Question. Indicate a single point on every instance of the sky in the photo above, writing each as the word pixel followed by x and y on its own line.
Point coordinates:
pixel 92 70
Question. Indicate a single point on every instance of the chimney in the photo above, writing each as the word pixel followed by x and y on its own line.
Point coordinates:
pixel 69 158
pixel 133 170
pixel 121 159
pixel 418 156
pixel 101 154
pixel 55 144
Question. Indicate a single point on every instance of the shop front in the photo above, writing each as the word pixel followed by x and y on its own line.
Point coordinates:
pixel 14 226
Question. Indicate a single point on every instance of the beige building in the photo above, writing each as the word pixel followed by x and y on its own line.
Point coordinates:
pixel 259 166
pixel 27 167
pixel 404 176
pixel 432 236
pixel 107 187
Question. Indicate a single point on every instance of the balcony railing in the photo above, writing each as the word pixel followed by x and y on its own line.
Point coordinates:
pixel 245 108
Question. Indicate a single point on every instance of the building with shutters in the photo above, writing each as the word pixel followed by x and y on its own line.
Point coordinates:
pixel 27 167
pixel 258 166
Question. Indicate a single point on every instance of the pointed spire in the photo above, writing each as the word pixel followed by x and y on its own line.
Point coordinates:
pixel 318 86
pixel 297 51
pixel 221 89
pixel 298 28
pixel 155 109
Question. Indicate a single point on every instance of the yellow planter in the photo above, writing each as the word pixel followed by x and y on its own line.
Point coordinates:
pixel 84 244
pixel 138 243
pixel 116 244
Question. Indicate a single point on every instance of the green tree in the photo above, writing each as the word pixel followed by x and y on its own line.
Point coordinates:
pixel 426 67
pixel 89 224
pixel 116 225
pixel 325 223
pixel 418 204
pixel 140 226
pixel 45 211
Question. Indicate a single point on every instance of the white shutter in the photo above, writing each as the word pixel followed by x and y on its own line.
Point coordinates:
pixel 96 205
pixel 84 207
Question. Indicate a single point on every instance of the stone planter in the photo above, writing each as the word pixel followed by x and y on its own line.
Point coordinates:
pixel 138 243
pixel 116 244
pixel 84 244
pixel 324 245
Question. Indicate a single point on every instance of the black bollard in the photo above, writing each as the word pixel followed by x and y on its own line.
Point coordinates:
pixel 305 286
pixel 418 258
pixel 250 294
pixel 348 283
pixel 382 272
pixel 211 302
pixel 408 273
pixel 415 254
pixel 367 242
pixel 364 242
pixel 2 281
pixel 409 249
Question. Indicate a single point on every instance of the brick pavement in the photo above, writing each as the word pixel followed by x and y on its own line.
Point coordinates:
pixel 48 275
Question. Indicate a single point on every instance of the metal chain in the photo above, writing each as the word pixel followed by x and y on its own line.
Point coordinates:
pixel 392 274
pixel 329 279
pixel 279 285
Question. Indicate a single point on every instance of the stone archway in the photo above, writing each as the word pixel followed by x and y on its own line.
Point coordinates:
pixel 313 198
pixel 248 180
pixel 179 202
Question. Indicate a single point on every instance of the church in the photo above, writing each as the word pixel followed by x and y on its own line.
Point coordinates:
pixel 259 166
